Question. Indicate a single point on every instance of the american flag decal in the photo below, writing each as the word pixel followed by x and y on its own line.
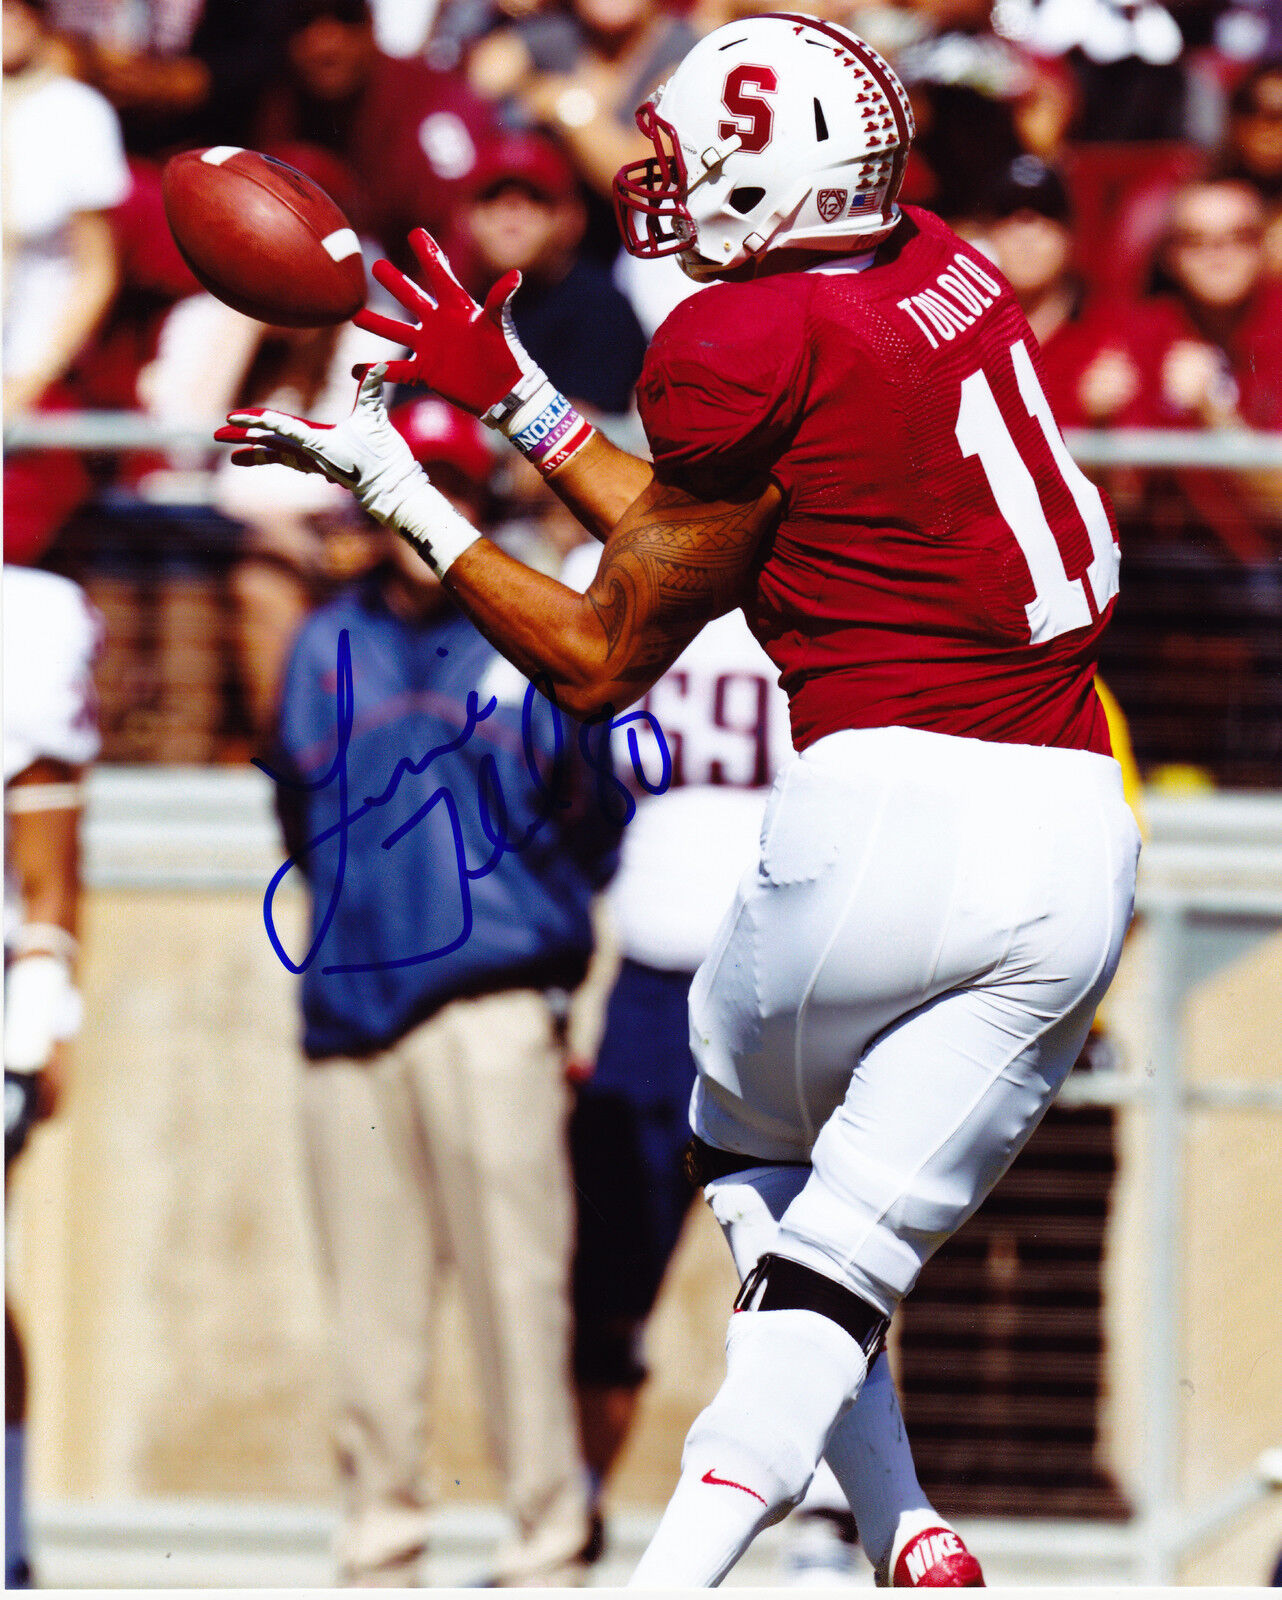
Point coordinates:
pixel 862 202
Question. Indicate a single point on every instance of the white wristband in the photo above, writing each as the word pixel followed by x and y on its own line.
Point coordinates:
pixel 547 429
pixel 406 500
pixel 426 518
pixel 41 1007
pixel 539 397
pixel 28 797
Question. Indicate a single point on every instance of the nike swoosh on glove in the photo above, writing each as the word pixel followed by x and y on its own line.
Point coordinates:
pixel 469 354
pixel 363 453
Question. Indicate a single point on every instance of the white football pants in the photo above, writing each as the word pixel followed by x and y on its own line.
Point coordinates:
pixel 902 985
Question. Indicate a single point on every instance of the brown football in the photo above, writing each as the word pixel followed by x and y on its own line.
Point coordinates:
pixel 263 238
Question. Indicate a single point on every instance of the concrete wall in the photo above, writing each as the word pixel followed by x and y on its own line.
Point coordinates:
pixel 1230 1373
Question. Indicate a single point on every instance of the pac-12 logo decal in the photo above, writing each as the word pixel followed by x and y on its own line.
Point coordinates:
pixel 754 117
pixel 832 202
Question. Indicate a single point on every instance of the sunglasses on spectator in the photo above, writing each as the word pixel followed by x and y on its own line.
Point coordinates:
pixel 1235 238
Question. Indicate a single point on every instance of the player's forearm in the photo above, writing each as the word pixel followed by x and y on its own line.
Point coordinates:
pixel 48 845
pixel 42 1006
pixel 600 483
pixel 551 633
pixel 672 563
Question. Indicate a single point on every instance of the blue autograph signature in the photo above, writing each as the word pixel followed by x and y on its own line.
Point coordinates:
pixel 613 796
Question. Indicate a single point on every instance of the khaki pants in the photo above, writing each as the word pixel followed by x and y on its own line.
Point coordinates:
pixel 450 1148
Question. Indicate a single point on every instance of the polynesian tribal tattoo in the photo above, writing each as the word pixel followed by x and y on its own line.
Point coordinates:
pixel 680 563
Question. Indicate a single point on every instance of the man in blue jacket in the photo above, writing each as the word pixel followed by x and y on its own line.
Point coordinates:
pixel 452 834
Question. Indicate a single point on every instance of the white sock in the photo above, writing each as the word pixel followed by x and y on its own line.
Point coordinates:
pixel 824 1493
pixel 873 1462
pixel 910 1524
pixel 750 1454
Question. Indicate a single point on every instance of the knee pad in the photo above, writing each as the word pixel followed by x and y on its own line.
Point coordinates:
pixel 778 1284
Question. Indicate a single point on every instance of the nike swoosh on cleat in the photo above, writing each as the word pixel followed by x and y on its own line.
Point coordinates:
pixel 729 1483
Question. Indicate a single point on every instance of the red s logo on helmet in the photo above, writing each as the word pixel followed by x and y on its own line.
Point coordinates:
pixel 758 113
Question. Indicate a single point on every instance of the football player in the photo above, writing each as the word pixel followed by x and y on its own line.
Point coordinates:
pixel 725 723
pixel 851 443
pixel 51 636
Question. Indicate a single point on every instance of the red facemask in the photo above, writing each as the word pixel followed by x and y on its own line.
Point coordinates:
pixel 649 195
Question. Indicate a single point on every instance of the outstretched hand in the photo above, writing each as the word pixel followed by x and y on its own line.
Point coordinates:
pixel 469 354
pixel 363 453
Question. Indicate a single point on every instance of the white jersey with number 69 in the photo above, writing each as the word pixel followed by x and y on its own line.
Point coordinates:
pixel 725 723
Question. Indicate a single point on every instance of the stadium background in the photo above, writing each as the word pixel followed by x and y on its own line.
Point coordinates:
pixel 180 1400
pixel 160 1248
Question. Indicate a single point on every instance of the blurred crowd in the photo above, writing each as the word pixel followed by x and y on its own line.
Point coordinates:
pixel 1121 162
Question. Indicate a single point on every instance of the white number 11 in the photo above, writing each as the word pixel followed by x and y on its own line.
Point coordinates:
pixel 1060 602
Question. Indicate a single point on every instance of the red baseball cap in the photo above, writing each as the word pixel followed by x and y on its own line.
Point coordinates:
pixel 526 158
pixel 438 432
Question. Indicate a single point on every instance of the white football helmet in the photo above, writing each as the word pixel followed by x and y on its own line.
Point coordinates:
pixel 777 130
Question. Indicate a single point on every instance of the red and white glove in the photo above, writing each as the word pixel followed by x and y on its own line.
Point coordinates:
pixel 472 356
pixel 363 453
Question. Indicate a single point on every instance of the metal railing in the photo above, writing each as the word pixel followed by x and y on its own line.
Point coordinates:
pixel 1211 886
pixel 106 430
pixel 1234 449
pixel 1211 868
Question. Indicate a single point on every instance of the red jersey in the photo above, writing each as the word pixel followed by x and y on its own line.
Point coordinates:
pixel 941 563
